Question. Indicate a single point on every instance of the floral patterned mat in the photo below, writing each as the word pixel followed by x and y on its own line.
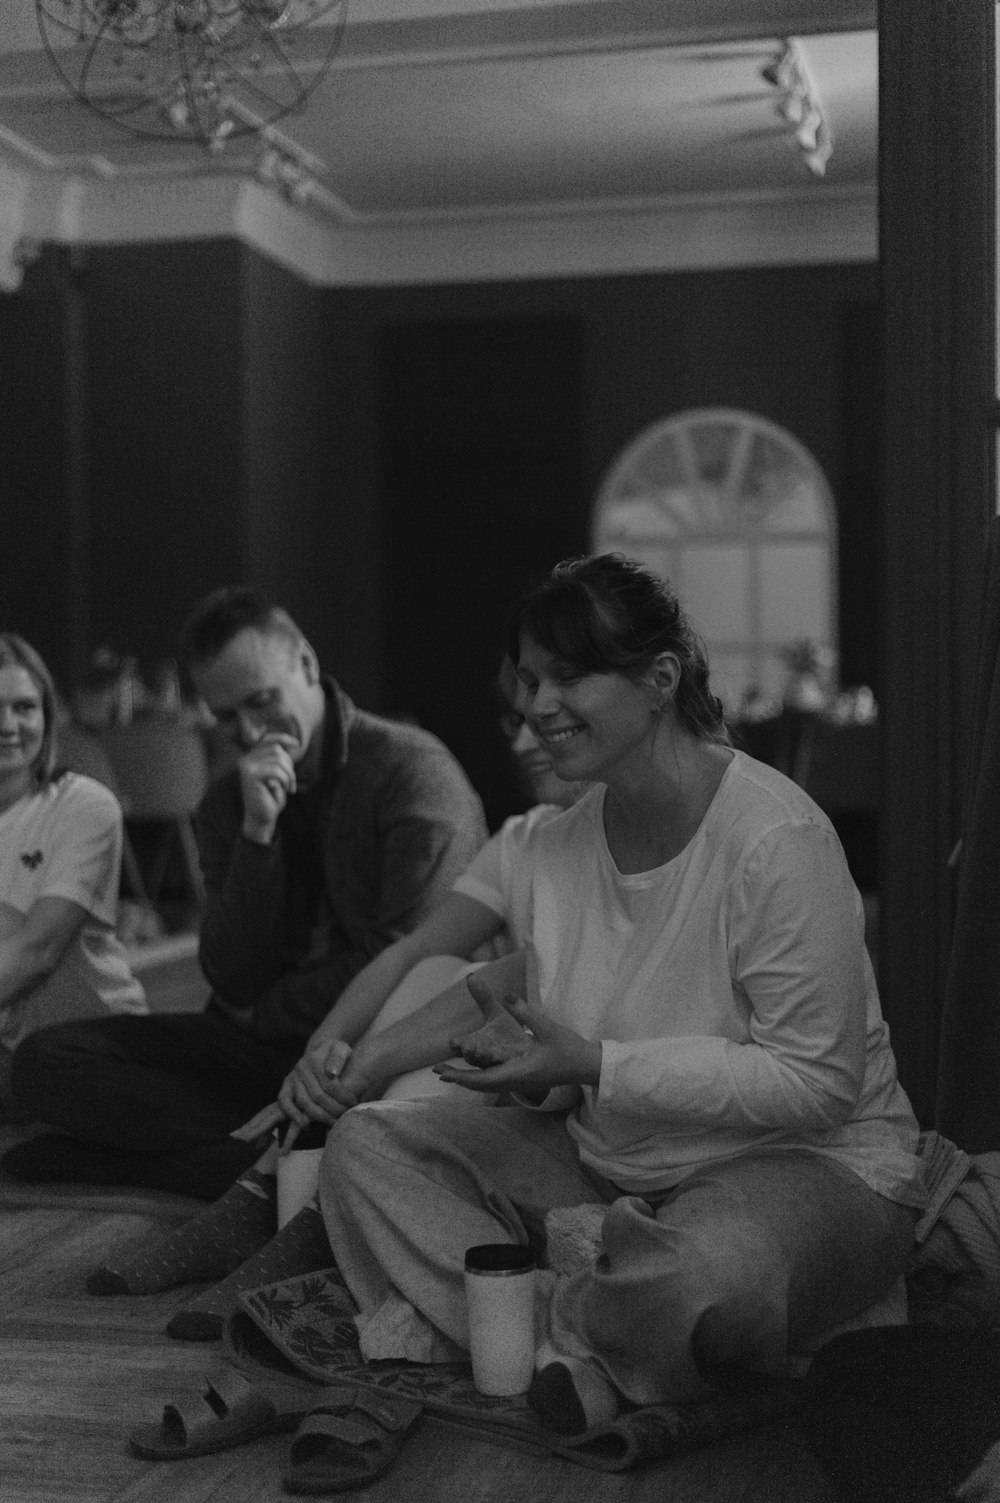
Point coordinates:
pixel 305 1325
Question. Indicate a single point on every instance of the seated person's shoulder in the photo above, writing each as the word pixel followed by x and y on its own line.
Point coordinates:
pixel 379 749
pixel 366 730
pixel 523 829
pixel 401 771
pixel 74 795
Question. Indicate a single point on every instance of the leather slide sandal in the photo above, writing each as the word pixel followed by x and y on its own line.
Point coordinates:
pixel 348 1440
pixel 227 1411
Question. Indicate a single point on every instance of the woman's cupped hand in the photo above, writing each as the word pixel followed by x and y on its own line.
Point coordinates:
pixel 520 1048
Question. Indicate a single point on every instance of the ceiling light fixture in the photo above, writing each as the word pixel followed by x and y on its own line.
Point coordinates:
pixel 799 105
pixel 777 72
pixel 793 106
pixel 205 71
pixel 810 126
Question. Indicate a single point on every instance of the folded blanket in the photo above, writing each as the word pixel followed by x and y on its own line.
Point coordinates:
pixel 960 1231
pixel 972 1214
pixel 945 1166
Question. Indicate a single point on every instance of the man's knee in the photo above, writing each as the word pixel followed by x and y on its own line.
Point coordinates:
pixel 33 1060
pixel 47 1054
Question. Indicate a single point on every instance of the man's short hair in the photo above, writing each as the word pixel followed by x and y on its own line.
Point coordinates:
pixel 223 614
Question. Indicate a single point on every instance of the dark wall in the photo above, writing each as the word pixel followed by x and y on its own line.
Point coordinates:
pixel 35 522
pixel 167 496
pixel 500 407
pixel 483 491
pixel 313 538
pixel 121 436
pixel 393 463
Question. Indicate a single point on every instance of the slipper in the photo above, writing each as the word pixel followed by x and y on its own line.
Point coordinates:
pixel 229 1411
pixel 348 1440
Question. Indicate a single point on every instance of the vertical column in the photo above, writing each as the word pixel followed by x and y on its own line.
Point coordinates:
pixel 937 174
pixel 76 467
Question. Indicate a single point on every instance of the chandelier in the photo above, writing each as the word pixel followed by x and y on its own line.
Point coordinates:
pixel 196 70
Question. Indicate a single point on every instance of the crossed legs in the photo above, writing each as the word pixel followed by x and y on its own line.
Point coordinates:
pixel 736 1267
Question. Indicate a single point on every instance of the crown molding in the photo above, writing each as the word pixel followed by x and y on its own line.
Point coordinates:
pixel 329 246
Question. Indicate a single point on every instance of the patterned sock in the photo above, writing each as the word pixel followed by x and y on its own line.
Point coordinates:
pixel 301 1246
pixel 209 1246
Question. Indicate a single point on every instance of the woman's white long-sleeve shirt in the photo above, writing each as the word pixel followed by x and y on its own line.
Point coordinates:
pixel 730 988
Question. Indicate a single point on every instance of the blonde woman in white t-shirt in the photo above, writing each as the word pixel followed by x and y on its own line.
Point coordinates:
pixel 60 857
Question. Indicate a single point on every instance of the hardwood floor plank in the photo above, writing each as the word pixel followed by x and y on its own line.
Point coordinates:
pixel 46 1257
pixel 162 1204
pixel 249 1475
pixel 78 1463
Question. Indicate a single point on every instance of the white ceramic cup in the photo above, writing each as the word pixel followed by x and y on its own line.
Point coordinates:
pixel 500 1296
pixel 298 1178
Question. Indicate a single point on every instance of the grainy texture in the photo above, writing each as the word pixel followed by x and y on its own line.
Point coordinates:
pixel 78 1372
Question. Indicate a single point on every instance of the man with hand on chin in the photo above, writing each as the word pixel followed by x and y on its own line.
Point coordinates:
pixel 334 834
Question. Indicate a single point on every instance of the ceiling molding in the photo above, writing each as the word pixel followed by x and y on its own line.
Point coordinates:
pixel 684 234
pixel 803 229
pixel 481 140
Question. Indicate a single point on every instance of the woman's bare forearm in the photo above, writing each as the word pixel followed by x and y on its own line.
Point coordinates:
pixel 456 927
pixel 422 1038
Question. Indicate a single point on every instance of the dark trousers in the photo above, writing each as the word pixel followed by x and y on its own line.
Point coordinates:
pixel 159 1095
pixel 902 1414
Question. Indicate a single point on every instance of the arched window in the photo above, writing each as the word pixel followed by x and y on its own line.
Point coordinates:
pixel 737 514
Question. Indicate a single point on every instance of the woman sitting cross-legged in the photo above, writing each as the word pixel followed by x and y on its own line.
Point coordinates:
pixel 394 1041
pixel 60 860
pixel 696 1044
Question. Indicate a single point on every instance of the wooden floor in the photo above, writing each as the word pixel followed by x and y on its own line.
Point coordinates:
pixel 77 1373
